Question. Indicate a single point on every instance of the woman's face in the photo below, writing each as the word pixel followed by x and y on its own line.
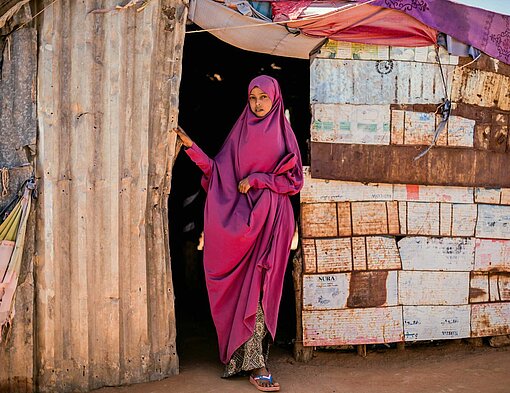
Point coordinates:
pixel 260 103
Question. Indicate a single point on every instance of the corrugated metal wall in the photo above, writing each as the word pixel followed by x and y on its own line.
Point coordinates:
pixel 108 88
pixel 18 129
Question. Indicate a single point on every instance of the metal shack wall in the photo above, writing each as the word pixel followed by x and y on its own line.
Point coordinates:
pixel 423 251
pixel 108 85
pixel 18 127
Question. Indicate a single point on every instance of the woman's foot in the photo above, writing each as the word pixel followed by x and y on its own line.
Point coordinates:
pixel 263 380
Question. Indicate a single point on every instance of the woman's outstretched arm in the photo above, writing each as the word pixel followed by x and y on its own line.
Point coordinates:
pixel 194 152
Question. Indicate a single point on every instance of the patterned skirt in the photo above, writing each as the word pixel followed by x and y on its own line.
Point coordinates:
pixel 254 352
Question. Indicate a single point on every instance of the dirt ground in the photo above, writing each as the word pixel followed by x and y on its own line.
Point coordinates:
pixel 426 368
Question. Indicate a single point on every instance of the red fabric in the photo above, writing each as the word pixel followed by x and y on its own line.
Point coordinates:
pixel 247 237
pixel 367 24
pixel 288 10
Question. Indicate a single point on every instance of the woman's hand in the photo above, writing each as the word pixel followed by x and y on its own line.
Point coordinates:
pixel 244 186
pixel 186 140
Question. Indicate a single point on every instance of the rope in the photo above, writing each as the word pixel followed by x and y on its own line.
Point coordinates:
pixel 445 109
pixel 442 74
pixel 36 15
pixel 5 181
pixel 471 62
pixel 264 24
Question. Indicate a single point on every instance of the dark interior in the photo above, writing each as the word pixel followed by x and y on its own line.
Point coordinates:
pixel 215 76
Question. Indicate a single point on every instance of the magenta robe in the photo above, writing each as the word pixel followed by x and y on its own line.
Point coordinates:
pixel 247 237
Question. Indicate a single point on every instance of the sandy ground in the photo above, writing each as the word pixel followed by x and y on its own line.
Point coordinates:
pixel 431 368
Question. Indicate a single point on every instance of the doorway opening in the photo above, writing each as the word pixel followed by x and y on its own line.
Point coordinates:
pixel 215 76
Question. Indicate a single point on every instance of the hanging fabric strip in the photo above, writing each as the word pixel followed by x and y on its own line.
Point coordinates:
pixel 12 233
pixel 486 29
pixel 347 21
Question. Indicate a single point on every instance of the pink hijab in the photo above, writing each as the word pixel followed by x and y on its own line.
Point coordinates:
pixel 248 236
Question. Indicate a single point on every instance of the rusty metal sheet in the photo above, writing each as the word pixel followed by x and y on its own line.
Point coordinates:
pixel 309 255
pixel 369 218
pixel 471 125
pixel 492 196
pixel 395 164
pixel 423 218
pixel 359 51
pixel 460 131
pixel 344 219
pixel 372 289
pixel 352 326
pixel 346 50
pixel 436 322
pixel 464 219
pixel 433 288
pixel 482 88
pixel 493 222
pixel 319 190
pixel 492 255
pixel 394 227
pixel 318 220
pixel 333 255
pixel 499 286
pixel 505 196
pixel 18 128
pixel 435 254
pixel 485 63
pixel 18 120
pixel 359 82
pixel 341 123
pixel 488 195
pixel 359 253
pixel 382 253
pixel 479 287
pixel 418 128
pixel 325 291
pixel 108 89
pixel 490 319
pixel 417 193
pixel 445 219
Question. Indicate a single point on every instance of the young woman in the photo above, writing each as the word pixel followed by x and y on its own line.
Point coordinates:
pixel 248 228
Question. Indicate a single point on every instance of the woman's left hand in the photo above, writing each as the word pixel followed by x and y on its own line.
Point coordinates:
pixel 244 186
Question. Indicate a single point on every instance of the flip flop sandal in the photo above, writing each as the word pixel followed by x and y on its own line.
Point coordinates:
pixel 268 378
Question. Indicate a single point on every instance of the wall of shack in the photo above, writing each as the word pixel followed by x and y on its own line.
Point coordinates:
pixel 397 249
pixel 99 311
pixel 18 129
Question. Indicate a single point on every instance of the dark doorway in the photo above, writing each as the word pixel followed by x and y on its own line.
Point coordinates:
pixel 213 93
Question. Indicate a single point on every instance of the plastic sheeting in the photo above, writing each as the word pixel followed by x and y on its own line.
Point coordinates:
pixel 249 33
pixel 363 23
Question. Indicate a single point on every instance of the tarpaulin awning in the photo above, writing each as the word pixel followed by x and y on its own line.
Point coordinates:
pixel 249 33
pixel 484 25
pixel 353 22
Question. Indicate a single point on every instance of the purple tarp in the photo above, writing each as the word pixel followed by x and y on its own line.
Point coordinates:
pixel 485 30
